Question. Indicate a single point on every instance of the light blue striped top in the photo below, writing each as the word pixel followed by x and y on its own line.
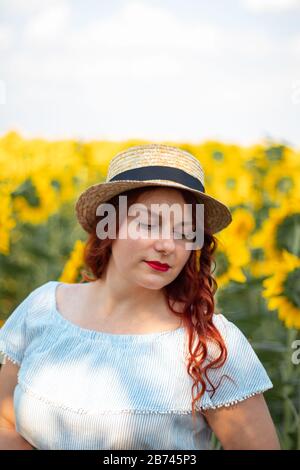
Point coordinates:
pixel 84 389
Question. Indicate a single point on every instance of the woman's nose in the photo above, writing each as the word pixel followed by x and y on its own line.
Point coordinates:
pixel 165 244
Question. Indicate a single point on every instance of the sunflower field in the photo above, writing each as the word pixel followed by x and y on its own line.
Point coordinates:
pixel 258 255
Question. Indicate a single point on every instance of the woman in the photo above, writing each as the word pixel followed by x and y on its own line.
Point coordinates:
pixel 134 356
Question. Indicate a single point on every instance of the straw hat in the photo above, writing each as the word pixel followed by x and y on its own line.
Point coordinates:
pixel 152 165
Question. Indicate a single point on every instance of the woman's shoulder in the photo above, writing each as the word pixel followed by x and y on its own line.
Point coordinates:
pixel 42 292
pixel 37 298
pixel 242 373
pixel 71 300
pixel 37 301
pixel 221 319
pixel 229 330
pixel 26 320
pixel 235 339
pixel 52 293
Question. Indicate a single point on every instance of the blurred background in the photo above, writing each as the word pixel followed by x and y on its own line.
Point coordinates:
pixel 83 80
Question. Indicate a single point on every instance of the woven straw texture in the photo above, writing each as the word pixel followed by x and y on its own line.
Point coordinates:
pixel 216 215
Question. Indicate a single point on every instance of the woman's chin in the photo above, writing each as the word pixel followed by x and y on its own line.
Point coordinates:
pixel 149 283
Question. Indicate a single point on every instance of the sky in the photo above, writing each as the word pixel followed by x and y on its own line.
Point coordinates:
pixel 176 70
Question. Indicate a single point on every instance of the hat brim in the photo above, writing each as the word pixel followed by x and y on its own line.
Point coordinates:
pixel 217 215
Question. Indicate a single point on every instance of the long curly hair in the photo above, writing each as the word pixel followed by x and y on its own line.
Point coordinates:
pixel 195 287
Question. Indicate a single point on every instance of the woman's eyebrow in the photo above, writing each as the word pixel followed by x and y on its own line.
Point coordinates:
pixel 186 222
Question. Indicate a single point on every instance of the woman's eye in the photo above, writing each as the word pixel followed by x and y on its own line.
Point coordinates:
pixel 146 225
pixel 187 236
pixel 179 235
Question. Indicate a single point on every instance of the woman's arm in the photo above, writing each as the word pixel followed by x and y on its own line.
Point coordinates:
pixel 246 425
pixel 11 440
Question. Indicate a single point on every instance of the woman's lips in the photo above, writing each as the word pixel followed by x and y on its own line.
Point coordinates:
pixel 158 267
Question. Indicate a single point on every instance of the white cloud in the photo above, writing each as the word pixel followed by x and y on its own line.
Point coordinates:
pixel 294 44
pixel 167 77
pixel 6 37
pixel 136 24
pixel 124 45
pixel 48 23
pixel 272 6
pixel 2 92
pixel 128 45
pixel 26 7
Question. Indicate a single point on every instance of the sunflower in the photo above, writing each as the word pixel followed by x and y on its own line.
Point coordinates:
pixel 226 172
pixel 280 231
pixel 7 222
pixel 281 181
pixel 282 289
pixel 74 263
pixel 233 253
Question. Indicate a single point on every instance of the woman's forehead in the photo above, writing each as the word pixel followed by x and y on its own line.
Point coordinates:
pixel 168 202
pixel 161 195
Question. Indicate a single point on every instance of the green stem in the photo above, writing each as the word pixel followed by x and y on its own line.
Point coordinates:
pixel 287 375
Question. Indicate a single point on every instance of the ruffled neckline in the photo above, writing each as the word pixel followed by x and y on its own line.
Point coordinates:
pixel 101 335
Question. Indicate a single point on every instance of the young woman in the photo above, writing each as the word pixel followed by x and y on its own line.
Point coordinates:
pixel 134 356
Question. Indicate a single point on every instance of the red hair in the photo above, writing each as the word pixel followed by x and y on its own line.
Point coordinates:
pixel 193 286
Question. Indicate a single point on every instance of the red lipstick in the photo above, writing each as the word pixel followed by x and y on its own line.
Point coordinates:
pixel 158 266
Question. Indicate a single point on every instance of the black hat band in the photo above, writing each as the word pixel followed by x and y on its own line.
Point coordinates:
pixel 161 173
